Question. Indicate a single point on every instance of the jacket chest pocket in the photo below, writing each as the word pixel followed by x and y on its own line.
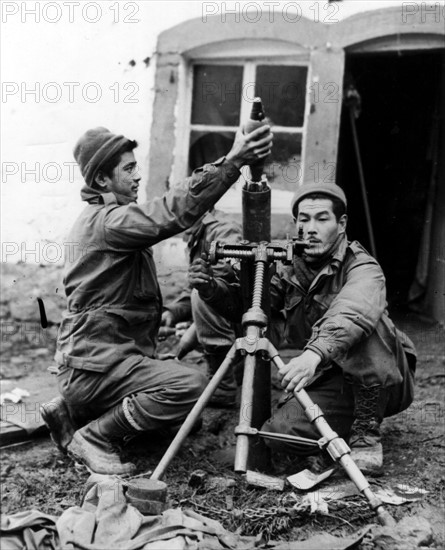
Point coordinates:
pixel 292 301
pixel 323 301
pixel 295 331
pixel 325 293
pixel 318 305
pixel 146 285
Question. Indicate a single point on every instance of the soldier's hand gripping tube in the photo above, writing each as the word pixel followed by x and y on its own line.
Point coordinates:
pixel 256 120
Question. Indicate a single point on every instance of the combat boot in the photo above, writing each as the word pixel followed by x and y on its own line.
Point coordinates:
pixel 365 438
pixel 225 394
pixel 59 421
pixel 97 444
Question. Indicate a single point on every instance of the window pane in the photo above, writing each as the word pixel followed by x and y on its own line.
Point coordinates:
pixel 217 94
pixel 208 147
pixel 283 166
pixel 283 90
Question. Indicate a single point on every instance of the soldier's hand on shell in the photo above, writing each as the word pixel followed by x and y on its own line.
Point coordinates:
pixel 250 148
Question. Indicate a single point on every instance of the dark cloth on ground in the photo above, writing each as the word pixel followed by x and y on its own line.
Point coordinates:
pixel 106 521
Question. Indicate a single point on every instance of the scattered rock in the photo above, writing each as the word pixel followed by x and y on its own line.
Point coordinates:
pixel 20 360
pixel 5 471
pixel 197 478
pixel 39 352
pixel 4 311
pixel 8 371
pixel 218 483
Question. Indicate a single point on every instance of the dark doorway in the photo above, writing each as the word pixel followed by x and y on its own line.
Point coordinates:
pixel 399 111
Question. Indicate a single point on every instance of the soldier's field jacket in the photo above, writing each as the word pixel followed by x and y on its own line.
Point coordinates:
pixel 113 298
pixel 215 226
pixel 342 317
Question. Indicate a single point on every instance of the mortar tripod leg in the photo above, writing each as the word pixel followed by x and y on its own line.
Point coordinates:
pixel 193 415
pixel 245 415
pixel 336 446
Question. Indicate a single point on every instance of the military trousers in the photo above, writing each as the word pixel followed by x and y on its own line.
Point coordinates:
pixel 157 394
pixel 333 393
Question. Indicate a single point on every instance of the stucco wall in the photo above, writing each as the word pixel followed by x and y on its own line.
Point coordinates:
pixel 70 64
pixel 79 54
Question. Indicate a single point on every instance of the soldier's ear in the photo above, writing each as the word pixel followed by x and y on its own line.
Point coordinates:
pixel 101 180
pixel 342 222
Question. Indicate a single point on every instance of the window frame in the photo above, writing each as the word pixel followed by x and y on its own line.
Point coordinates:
pixel 249 64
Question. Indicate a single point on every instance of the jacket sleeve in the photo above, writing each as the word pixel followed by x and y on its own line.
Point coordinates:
pixel 181 307
pixel 134 226
pixel 354 312
pixel 228 233
pixel 277 291
pixel 227 298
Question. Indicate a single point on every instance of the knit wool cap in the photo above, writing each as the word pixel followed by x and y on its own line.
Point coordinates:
pixel 94 149
pixel 330 189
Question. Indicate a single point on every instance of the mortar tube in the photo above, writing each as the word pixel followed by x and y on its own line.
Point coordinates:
pixel 256 215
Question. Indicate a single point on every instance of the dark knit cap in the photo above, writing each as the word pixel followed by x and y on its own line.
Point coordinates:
pixel 330 189
pixel 95 148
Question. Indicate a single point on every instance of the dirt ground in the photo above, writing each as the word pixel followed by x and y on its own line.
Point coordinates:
pixel 36 476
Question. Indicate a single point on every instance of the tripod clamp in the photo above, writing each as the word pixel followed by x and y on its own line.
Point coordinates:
pixel 261 254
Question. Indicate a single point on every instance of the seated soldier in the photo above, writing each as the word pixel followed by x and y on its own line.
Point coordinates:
pixel 111 383
pixel 355 364
pixel 214 332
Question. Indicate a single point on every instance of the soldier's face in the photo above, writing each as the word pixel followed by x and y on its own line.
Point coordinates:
pixel 320 226
pixel 125 177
